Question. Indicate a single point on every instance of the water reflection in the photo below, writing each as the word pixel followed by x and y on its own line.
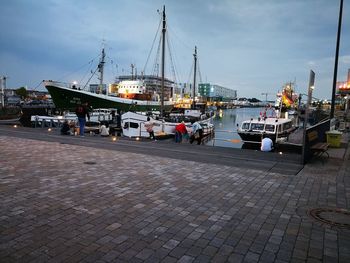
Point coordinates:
pixel 225 123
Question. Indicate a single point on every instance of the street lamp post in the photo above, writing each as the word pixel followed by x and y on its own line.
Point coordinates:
pixel 306 117
pixel 336 60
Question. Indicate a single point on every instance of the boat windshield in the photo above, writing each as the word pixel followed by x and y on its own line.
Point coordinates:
pixel 269 127
pixel 245 126
pixel 287 125
pixel 257 126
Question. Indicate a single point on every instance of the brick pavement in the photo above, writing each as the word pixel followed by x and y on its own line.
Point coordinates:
pixel 70 203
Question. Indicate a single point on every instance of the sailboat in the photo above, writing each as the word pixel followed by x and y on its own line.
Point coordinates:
pixel 127 95
pixel 133 124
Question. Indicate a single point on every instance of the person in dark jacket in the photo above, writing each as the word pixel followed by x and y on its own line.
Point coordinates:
pixel 65 129
pixel 82 112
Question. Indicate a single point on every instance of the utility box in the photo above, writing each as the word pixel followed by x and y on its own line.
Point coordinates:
pixel 334 138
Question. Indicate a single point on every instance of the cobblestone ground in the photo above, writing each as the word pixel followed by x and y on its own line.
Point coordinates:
pixel 65 203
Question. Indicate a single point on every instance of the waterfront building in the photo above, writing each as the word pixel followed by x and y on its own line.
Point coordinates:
pixel 97 88
pixel 153 85
pixel 213 92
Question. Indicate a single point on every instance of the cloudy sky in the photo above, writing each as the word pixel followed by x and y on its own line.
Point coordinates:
pixel 253 46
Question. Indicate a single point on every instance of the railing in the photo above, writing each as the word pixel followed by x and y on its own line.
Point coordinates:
pixel 215 139
pixel 46 121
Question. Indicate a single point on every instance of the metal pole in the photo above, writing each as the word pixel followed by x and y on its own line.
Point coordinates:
pixel 306 117
pixel 336 60
pixel 163 63
pixel 194 78
pixel 2 90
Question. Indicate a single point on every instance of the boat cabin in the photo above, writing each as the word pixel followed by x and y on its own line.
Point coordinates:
pixel 270 125
pixel 253 129
pixel 131 87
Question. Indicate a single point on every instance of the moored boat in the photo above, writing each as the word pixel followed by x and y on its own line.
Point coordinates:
pixel 287 100
pixel 68 95
pixel 133 124
pixel 252 131
pixel 127 95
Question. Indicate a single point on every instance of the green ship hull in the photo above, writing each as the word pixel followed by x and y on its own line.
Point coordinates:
pixel 67 98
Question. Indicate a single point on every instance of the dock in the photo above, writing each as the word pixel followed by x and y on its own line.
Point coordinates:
pixel 92 199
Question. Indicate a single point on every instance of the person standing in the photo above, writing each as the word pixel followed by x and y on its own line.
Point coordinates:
pixel 180 132
pixel 82 112
pixel 149 128
pixel 197 132
pixel 266 144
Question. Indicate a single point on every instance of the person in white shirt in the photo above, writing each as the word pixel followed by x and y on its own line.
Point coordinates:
pixel 266 144
pixel 104 131
pixel 149 128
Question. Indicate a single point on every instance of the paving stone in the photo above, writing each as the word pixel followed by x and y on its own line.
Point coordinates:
pixel 56 208
pixel 194 251
pixel 235 258
pixel 145 254
pixel 171 244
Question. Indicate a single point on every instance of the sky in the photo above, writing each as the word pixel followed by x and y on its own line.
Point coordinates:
pixel 252 46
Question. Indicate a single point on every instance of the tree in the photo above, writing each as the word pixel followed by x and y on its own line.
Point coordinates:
pixel 22 92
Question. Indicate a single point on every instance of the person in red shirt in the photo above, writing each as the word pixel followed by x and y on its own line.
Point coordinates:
pixel 180 131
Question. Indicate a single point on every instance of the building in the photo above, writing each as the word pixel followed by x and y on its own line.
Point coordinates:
pixel 214 92
pixel 343 93
pixel 97 88
pixel 153 85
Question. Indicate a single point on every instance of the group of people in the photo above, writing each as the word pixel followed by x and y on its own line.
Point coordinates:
pixel 181 132
pixel 82 112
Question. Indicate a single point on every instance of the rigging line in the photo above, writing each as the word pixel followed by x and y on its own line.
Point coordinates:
pixel 154 40
pixel 90 78
pixel 156 60
pixel 189 76
pixel 89 71
pixel 173 66
pixel 71 73
pixel 175 60
pixel 82 79
pixel 112 69
pixel 179 39
pixel 199 71
pixel 37 85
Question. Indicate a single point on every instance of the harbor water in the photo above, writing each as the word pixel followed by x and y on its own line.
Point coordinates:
pixel 226 122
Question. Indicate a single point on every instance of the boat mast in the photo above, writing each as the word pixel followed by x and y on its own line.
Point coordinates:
pixel 132 71
pixel 101 66
pixel 194 78
pixel 2 90
pixel 163 64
